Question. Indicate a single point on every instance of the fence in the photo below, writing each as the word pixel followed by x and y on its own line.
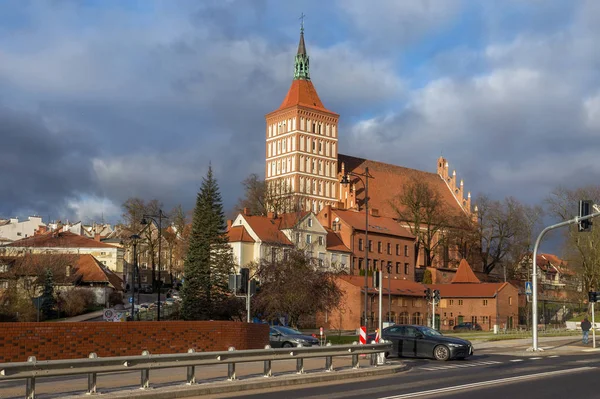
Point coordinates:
pixel 93 365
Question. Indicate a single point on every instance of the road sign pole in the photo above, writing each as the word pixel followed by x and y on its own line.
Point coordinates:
pixel 593 326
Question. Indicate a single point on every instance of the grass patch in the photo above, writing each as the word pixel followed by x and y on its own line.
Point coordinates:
pixel 342 339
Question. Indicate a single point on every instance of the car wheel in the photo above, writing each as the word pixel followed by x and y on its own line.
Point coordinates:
pixel 287 345
pixel 441 352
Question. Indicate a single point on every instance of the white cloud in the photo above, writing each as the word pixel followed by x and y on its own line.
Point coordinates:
pixel 91 208
pixel 592 110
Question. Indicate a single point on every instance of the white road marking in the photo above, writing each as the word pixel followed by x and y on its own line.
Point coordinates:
pixel 517 360
pixel 456 366
pixel 535 358
pixel 554 356
pixel 486 383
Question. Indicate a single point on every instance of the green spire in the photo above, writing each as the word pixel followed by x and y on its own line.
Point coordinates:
pixel 301 70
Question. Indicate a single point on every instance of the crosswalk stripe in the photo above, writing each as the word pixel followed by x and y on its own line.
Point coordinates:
pixel 456 366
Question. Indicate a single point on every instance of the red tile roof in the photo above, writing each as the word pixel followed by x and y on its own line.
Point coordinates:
pixel 467 290
pixel 239 233
pixel 465 274
pixel 377 224
pixel 387 182
pixel 551 263
pixel 92 271
pixel 303 93
pixel 55 240
pixel 267 229
pixel 335 243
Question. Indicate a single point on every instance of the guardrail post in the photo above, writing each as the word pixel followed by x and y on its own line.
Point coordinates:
pixel 191 371
pixel 145 374
pixel 355 363
pixel 328 361
pixel 92 377
pixel 300 363
pixel 231 367
pixel 268 368
pixel 30 388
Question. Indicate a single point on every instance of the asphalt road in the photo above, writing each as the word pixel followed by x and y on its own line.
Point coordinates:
pixel 482 376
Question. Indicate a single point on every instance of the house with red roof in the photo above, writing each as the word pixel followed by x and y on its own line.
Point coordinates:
pixel 55 242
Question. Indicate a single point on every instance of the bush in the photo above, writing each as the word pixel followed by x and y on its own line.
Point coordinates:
pixel 77 301
pixel 115 298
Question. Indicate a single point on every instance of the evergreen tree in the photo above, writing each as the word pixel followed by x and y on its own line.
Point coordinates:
pixel 209 258
pixel 48 301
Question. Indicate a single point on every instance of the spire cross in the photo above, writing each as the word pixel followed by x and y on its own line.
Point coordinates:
pixel 302 16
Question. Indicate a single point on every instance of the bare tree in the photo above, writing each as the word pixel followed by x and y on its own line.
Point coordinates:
pixel 262 197
pixel 422 208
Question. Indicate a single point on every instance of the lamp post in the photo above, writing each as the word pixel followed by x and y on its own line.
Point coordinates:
pixel 345 181
pixel 134 239
pixel 389 270
pixel 144 222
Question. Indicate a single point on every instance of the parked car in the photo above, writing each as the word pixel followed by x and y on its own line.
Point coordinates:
pixel 286 337
pixel 173 294
pixel 467 327
pixel 425 342
pixel 146 289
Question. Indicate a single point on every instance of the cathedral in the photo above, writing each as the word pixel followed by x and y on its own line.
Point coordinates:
pixel 303 162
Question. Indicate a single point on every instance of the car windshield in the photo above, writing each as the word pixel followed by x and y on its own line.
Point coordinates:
pixel 288 331
pixel 430 332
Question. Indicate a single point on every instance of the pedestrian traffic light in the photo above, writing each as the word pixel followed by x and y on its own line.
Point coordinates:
pixel 428 294
pixel 585 209
pixel 245 276
pixel 593 296
pixel 436 295
pixel 376 279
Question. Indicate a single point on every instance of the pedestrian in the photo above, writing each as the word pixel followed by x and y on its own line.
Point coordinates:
pixel 585 328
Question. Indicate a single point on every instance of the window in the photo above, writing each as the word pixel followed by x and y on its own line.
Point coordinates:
pixel 450 302
pixel 321 259
pixel 379 246
pixel 485 302
pixel 308 239
pixel 104 262
pixel 474 319
pixel 286 253
pixel 510 300
pixel 398 249
pixel 3 268
pixel 406 250
pixel 19 233
pixel 406 271
pixel 361 244
pixel 370 246
pixel 460 302
pixel 309 222
pixel 344 260
pixel 4 284
pixel 334 258
pixel 360 264
pixel 102 253
pixel 389 248
pixel 297 238
pixel 374 264
pixel 273 254
pixel 321 240
pixel 397 267
pixel 485 320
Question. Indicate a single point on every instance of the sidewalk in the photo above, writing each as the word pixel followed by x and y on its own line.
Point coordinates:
pixel 84 317
pixel 547 345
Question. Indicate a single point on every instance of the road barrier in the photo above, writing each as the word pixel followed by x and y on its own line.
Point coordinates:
pixel 93 365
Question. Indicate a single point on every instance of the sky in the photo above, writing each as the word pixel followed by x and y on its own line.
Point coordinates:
pixel 102 100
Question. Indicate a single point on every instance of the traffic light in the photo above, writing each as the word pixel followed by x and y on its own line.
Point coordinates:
pixel 244 277
pixel 376 279
pixel 436 295
pixel 585 209
pixel 428 294
pixel 593 296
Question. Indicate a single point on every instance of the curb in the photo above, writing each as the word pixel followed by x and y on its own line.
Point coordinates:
pixel 253 383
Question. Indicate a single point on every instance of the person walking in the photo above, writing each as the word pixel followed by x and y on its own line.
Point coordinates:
pixel 585 328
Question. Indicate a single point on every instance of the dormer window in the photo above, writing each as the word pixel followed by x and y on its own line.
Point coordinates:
pixel 310 222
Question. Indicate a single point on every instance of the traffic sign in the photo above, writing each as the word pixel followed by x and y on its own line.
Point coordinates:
pixel 130 299
pixel 528 288
pixel 321 331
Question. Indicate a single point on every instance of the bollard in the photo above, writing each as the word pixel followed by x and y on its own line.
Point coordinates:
pixel 381 355
pixel 191 371
pixel 300 363
pixel 268 368
pixel 231 367
pixel 373 357
pixel 92 378
pixel 355 363
pixel 145 374
pixel 328 361
pixel 30 388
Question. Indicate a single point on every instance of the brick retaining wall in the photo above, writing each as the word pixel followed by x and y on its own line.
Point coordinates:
pixel 59 340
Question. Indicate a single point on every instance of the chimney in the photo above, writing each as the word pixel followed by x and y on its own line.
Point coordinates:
pixel 271 215
pixel 97 237
pixel 229 224
pixel 247 211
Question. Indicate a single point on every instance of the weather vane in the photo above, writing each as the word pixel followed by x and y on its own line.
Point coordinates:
pixel 302 16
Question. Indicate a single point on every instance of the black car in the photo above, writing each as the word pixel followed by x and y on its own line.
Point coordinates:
pixel 467 327
pixel 425 342
pixel 286 337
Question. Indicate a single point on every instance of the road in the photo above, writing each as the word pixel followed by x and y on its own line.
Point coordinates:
pixel 491 376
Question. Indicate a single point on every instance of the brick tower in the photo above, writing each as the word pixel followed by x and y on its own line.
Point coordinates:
pixel 302 146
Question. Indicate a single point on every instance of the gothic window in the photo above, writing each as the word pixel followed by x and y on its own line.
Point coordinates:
pixel 320 147
pixel 278 147
pixel 314 166
pixel 333 131
pixel 301 143
pixel 314 146
pixel 284 146
pixel 314 127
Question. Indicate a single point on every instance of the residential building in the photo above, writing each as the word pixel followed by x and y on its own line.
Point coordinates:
pixel 391 246
pixel 12 229
pixel 68 243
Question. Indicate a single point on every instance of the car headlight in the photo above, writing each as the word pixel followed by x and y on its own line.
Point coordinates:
pixel 301 341
pixel 455 345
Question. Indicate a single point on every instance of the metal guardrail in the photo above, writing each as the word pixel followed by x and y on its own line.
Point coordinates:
pixel 33 369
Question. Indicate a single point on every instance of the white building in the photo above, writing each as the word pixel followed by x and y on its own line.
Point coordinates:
pixel 12 229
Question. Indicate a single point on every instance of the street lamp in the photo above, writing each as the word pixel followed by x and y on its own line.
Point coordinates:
pixel 134 239
pixel 345 181
pixel 389 270
pixel 158 282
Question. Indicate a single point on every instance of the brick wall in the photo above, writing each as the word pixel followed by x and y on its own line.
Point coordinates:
pixel 48 341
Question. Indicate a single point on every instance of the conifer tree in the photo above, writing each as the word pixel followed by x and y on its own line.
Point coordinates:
pixel 209 258
pixel 48 301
